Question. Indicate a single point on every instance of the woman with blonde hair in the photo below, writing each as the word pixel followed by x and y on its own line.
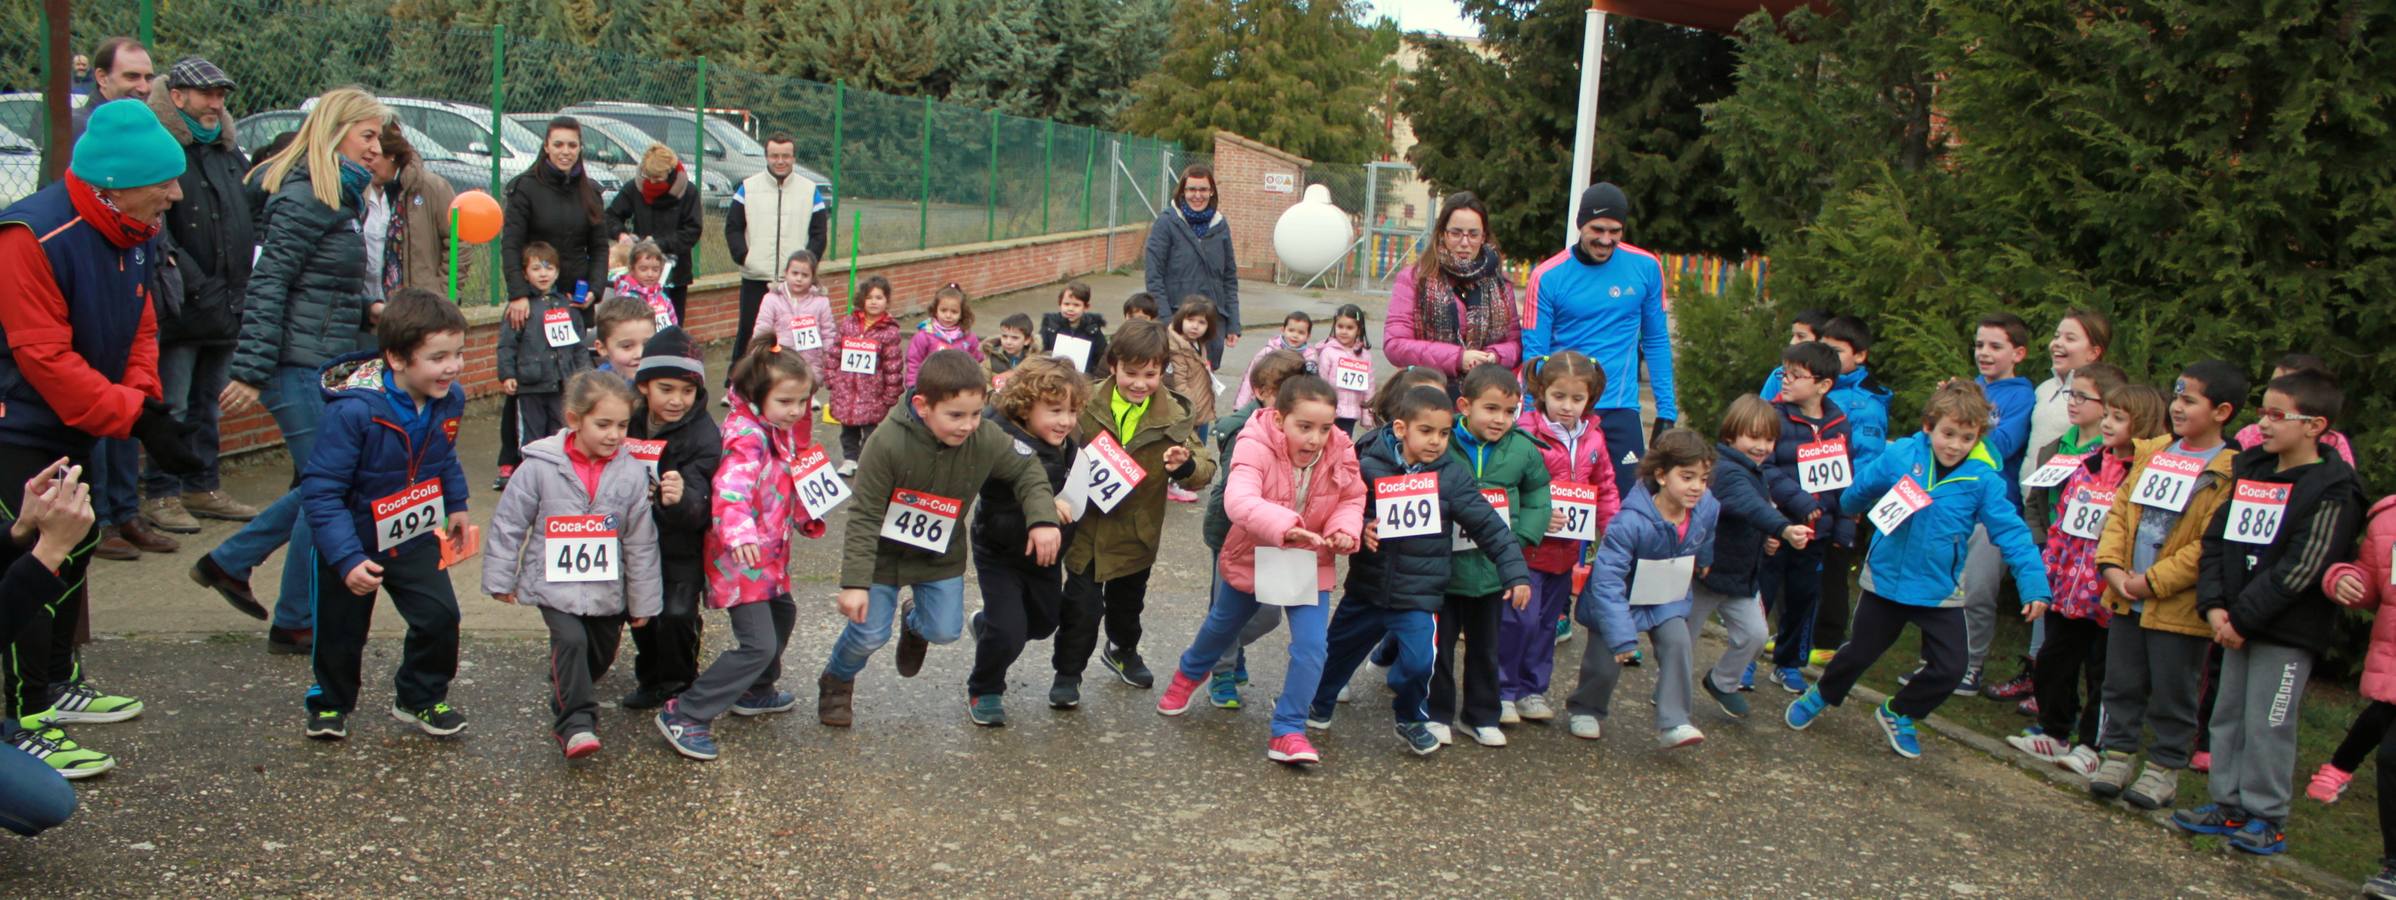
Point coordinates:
pixel 661 205
pixel 307 304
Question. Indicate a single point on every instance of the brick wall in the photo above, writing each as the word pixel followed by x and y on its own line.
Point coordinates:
pixel 714 308
pixel 1240 169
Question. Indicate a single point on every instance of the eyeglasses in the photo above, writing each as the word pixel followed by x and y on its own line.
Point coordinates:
pixel 2077 397
pixel 2281 415
pixel 1466 234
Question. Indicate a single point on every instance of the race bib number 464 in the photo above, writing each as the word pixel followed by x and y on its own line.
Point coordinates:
pixel 406 515
pixel 917 519
pixel 581 548
pixel 1406 505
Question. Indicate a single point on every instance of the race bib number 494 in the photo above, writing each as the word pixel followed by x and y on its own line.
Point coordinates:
pixel 1113 473
pixel 1406 505
pixel 918 519
pixel 406 515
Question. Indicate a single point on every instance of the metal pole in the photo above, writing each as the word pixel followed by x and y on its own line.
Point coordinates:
pixel 991 200
pixel 149 23
pixel 855 228
pixel 1089 168
pixel 1372 199
pixel 1164 190
pixel 1114 157
pixel 923 204
pixel 57 18
pixel 1048 169
pixel 1584 122
pixel 840 108
pixel 496 277
pixel 699 165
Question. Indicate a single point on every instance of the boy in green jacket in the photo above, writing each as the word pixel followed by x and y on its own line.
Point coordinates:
pixel 915 484
pixel 1514 478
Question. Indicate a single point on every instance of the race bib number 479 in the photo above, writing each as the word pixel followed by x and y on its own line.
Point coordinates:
pixel 918 519
pixel 407 515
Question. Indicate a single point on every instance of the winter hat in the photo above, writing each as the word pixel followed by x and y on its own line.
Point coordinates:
pixel 658 162
pixel 1603 201
pixel 194 72
pixel 123 146
pixel 671 355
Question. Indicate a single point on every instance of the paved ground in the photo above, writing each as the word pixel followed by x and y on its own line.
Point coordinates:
pixel 218 792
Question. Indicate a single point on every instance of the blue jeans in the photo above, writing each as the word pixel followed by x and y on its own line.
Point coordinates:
pixel 1224 619
pixel 938 615
pixel 297 403
pixel 1357 626
pixel 114 470
pixel 33 796
pixel 193 378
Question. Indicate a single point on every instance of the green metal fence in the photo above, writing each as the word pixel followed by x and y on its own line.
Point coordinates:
pixel 904 173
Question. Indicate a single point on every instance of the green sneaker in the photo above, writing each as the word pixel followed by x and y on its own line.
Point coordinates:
pixel 50 744
pixel 81 704
pixel 1223 690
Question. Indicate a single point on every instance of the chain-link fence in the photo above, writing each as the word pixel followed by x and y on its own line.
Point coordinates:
pixel 1390 211
pixel 903 173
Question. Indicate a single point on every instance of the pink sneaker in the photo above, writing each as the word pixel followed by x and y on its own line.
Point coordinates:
pixel 2328 784
pixel 1292 749
pixel 2201 762
pixel 1180 695
pixel 581 744
pixel 1175 493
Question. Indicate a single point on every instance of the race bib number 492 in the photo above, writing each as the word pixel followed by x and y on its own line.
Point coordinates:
pixel 407 515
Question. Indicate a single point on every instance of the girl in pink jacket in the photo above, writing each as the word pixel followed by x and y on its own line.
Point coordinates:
pixel 1561 387
pixel 949 327
pixel 1293 486
pixel 2366 584
pixel 867 382
pixel 748 551
pixel 1349 341
pixel 797 313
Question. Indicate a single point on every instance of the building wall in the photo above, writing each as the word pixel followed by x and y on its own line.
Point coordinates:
pixel 1241 170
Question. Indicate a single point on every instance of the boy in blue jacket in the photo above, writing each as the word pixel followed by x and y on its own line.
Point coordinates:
pixel 1650 556
pixel 1815 452
pixel 381 483
pixel 1759 505
pixel 1927 494
pixel 1999 344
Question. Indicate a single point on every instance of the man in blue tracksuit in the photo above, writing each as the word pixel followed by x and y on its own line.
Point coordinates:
pixel 1605 298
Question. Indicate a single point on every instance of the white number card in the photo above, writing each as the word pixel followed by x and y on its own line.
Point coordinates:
pixel 1497 501
pixel 1113 473
pixel 860 356
pixel 1285 576
pixel 1659 581
pixel 558 324
pixel 406 515
pixel 2085 516
pixel 1073 348
pixel 2169 479
pixel 2256 508
pixel 581 548
pixel 1406 505
pixel 819 489
pixel 2058 468
pixel 1353 374
pixel 805 334
pixel 647 451
pixel 1578 503
pixel 923 520
pixel 1822 466
pixel 1899 505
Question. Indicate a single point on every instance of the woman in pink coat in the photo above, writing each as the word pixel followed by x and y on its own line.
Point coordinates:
pixel 2365 584
pixel 1454 308
pixel 1294 485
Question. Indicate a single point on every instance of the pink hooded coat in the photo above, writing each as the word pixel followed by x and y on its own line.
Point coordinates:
pixel 1262 491
pixel 755 503
pixel 1589 464
pixel 2379 541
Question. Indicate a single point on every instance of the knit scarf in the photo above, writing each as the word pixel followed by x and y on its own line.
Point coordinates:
pixel 1479 285
pixel 651 190
pixel 1197 218
pixel 200 133
pixel 947 334
pixel 101 213
pixel 354 177
pixel 395 242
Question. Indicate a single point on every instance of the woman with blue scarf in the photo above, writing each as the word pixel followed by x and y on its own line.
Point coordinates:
pixel 1189 253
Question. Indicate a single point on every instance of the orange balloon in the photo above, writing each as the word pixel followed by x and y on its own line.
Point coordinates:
pixel 478 215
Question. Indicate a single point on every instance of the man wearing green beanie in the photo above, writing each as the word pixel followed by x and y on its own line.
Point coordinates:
pixel 79 362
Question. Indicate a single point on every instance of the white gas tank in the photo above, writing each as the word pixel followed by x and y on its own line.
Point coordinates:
pixel 1313 235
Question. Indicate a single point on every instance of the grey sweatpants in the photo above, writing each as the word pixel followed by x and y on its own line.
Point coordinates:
pixel 581 648
pixel 1743 618
pixel 2151 677
pixel 1983 581
pixel 762 629
pixel 2254 729
pixel 1669 655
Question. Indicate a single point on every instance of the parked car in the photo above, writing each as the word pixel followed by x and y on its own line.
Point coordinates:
pixel 23 112
pixel 462 173
pixel 20 166
pixel 729 150
pixel 618 145
pixel 465 129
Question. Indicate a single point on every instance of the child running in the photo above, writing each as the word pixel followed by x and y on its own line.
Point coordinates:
pixel 1763 510
pixel 871 372
pixel 947 326
pixel 1346 360
pixel 595 559
pixel 1231 669
pixel 672 425
pixel 1513 475
pixel 1641 583
pixel 1188 373
pixel 1585 502
pixel 1020 594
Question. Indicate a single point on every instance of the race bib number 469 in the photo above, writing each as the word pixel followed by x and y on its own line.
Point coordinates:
pixel 1406 505
pixel 406 515
pixel 581 548
pixel 917 519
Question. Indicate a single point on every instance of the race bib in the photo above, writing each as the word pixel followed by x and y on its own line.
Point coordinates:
pixel 1656 582
pixel 2058 467
pixel 917 519
pixel 2256 508
pixel 1406 505
pixel 819 489
pixel 406 515
pixel 805 334
pixel 582 548
pixel 1497 501
pixel 860 356
pixel 1822 466
pixel 1113 473
pixel 2169 479
pixel 1899 505
pixel 558 324
pixel 1353 374
pixel 1073 348
pixel 1578 503
pixel 1285 577
pixel 2084 517
pixel 664 317
pixel 648 452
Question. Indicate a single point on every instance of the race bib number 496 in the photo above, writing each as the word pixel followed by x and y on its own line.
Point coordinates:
pixel 819 489
pixel 1406 505
pixel 406 515
pixel 922 520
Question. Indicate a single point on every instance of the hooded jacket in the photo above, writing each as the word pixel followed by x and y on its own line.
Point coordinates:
pixel 904 456
pixel 927 341
pixel 1114 544
pixel 2379 592
pixel 1188 374
pixel 1797 430
pixel 999 528
pixel 695 448
pixel 374 443
pixel 2173 575
pixel 1412 573
pixel 1182 261
pixel 1247 388
pixel 2273 591
pixel 1225 434
pixel 2009 438
pixel 1757 502
pixel 777 319
pixel 213 233
pixel 864 399
pixel 1581 460
pixel 672 220
pixel 754 502
pixel 1515 463
pixel 424 199
pixel 545 486
pixel 1866 404
pixel 1261 496
pixel 544 204
pixel 525 354
pixel 2071 560
pixel 1090 327
pixel 1642 533
pixel 1921 563
pixel 307 301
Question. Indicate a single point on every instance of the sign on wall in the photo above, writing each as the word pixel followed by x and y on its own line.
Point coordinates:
pixel 1280 183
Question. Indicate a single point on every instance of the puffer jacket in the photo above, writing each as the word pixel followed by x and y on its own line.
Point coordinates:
pixel 1640 533
pixel 755 503
pixel 695 448
pixel 1757 502
pixel 1225 434
pixel 2173 576
pixel 1261 496
pixel 999 527
pixel 927 341
pixel 1866 404
pixel 212 232
pixel 1325 358
pixel 1921 563
pixel 1516 463
pixel 1089 326
pixel 2273 591
pixel 1581 460
pixel 1247 389
pixel 1182 261
pixel 307 301
pixel 996 361
pixel 1412 573
pixel 547 205
pixel 778 316
pixel 859 399
pixel 423 246
pixel 2071 560
pixel 2379 593
pixel 515 554
pixel 374 443
pixel 1114 544
pixel 1797 430
pixel 672 220
pixel 1187 373
pixel 904 458
pixel 525 354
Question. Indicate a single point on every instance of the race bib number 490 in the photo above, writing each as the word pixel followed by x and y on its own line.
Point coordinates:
pixel 2256 508
pixel 918 519
pixel 1406 505
pixel 406 515
pixel 581 548
pixel 1822 466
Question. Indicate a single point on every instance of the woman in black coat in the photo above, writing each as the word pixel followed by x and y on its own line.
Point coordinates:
pixel 556 204
pixel 661 205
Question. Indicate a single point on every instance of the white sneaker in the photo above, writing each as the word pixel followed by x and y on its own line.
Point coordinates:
pixel 1343 693
pixel 1534 708
pixel 1488 736
pixel 2082 761
pixel 1506 713
pixel 2045 747
pixel 1586 728
pixel 1680 736
pixel 848 468
pixel 1445 735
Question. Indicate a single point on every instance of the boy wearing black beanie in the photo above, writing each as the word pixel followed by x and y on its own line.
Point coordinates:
pixel 673 431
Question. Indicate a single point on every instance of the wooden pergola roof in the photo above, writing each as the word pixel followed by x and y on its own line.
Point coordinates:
pixel 1711 15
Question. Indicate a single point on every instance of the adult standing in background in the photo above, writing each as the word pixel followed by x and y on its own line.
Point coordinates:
pixel 210 234
pixel 554 203
pixel 1454 308
pixel 416 241
pixel 306 305
pixel 1189 252
pixel 1605 298
pixel 773 212
pixel 120 69
pixel 661 205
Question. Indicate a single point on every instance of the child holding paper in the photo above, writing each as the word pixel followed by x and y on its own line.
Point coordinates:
pixel 1640 583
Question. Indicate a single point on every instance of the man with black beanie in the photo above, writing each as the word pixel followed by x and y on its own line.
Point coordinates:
pixel 1605 298
pixel 673 428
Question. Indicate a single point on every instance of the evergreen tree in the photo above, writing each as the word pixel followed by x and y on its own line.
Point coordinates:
pixel 1303 76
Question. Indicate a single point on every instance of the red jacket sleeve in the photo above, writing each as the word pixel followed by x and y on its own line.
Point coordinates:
pixel 43 342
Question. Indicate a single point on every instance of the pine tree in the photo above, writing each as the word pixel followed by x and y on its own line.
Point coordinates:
pixel 1303 76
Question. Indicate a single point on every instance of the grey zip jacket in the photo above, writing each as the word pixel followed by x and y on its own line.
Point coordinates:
pixel 516 549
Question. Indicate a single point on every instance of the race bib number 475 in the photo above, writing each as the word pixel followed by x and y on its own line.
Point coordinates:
pixel 918 519
pixel 406 515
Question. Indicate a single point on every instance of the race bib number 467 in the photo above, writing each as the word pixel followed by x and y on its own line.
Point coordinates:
pixel 918 519
pixel 406 515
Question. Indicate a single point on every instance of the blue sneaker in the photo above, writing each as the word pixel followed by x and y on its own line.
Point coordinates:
pixel 2259 837
pixel 1747 679
pixel 1418 737
pixel 1563 629
pixel 688 736
pixel 1791 680
pixel 1239 670
pixel 2207 819
pixel 759 702
pixel 1900 731
pixel 1223 690
pixel 1319 717
pixel 1804 710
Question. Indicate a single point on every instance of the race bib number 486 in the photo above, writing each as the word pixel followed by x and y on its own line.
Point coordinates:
pixel 917 519
pixel 406 515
